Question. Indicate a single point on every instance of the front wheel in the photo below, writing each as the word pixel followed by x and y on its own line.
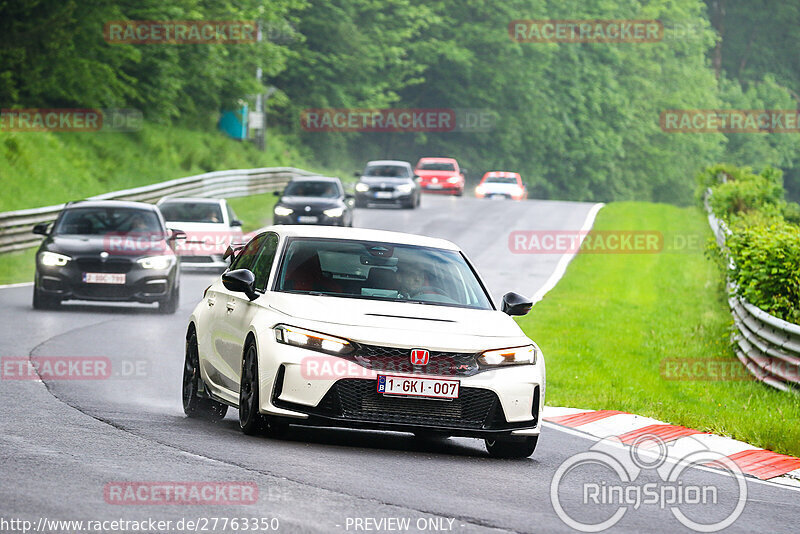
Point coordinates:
pixel 43 302
pixel 193 404
pixel 170 304
pixel 511 447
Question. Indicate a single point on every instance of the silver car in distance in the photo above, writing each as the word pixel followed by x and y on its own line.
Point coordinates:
pixel 357 328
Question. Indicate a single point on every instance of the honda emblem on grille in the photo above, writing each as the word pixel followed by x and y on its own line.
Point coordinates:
pixel 420 357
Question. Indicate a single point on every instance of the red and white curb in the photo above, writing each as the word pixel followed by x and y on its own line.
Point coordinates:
pixel 759 463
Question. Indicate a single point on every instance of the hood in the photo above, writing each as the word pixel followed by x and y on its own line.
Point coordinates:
pixel 127 245
pixel 502 188
pixel 372 180
pixel 436 174
pixel 314 202
pixel 400 323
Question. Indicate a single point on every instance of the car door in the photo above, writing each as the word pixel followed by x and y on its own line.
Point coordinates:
pixel 225 341
pixel 239 310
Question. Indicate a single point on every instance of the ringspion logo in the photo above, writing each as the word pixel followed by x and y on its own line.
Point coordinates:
pixel 180 32
pixel 586 31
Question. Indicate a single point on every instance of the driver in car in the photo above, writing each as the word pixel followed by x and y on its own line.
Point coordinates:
pixel 411 280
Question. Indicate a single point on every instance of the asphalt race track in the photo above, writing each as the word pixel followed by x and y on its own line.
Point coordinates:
pixel 62 442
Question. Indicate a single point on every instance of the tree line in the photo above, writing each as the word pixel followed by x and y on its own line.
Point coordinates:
pixel 580 121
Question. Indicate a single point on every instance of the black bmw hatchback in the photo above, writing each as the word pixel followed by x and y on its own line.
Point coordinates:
pixel 108 251
pixel 314 200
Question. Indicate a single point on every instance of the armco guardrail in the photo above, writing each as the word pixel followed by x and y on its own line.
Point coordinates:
pixel 768 346
pixel 15 226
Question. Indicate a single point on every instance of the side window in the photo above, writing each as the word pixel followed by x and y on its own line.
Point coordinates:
pixel 247 256
pixel 231 215
pixel 263 265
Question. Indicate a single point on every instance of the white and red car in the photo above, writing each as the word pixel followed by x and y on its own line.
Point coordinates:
pixel 210 226
pixel 501 184
pixel 329 326
pixel 440 175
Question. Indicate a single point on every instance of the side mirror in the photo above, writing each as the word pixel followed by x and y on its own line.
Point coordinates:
pixel 349 196
pixel 356 174
pixel 516 304
pixel 236 222
pixel 177 235
pixel 277 193
pixel 241 281
pixel 41 228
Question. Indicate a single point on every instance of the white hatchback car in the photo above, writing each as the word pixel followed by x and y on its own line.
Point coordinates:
pixel 358 328
pixel 210 226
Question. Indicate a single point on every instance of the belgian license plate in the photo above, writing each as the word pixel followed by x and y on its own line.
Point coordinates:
pixel 434 186
pixel 104 278
pixel 407 386
pixel 307 219
pixel 383 194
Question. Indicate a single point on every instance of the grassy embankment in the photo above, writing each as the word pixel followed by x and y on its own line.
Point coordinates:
pixel 613 318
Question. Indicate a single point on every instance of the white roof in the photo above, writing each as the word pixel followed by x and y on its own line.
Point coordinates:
pixel 338 232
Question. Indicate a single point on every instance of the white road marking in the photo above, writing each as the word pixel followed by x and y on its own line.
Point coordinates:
pixel 561 266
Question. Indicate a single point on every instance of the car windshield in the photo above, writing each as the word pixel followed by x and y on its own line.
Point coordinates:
pixel 98 221
pixel 387 171
pixel 437 167
pixel 192 212
pixel 501 180
pixel 380 271
pixel 312 189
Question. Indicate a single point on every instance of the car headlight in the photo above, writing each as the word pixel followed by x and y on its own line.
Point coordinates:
pixel 334 212
pixel 454 179
pixel 283 211
pixel 480 189
pixel 405 188
pixel 361 187
pixel 157 262
pixel 308 339
pixel 51 259
pixel 510 356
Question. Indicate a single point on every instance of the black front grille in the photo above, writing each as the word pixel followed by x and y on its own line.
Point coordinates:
pixel 103 291
pixel 376 188
pixel 358 400
pixel 111 265
pixel 398 360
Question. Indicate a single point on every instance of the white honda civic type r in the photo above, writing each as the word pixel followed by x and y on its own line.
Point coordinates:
pixel 344 327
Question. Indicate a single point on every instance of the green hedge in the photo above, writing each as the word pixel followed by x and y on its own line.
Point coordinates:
pixel 767 267
pixel 765 237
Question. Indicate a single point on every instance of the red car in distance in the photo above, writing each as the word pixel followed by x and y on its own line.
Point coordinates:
pixel 440 175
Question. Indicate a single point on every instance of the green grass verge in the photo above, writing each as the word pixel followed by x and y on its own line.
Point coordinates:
pixel 254 211
pixel 16 267
pixel 613 318
pixel 46 168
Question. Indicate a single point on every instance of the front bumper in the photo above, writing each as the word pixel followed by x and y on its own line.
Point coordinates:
pixel 502 401
pixel 141 285
pixel 384 197
pixel 298 218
